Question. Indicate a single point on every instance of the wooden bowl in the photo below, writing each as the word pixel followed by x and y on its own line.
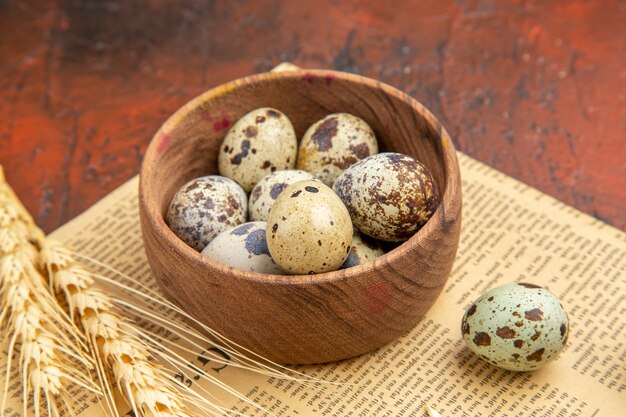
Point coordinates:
pixel 302 318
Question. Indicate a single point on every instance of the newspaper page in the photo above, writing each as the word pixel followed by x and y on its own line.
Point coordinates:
pixel 510 232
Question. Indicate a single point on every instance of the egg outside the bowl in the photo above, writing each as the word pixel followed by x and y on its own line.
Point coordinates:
pixel 519 327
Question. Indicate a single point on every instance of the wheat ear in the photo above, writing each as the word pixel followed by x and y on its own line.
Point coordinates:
pixel 115 341
pixel 50 355
pixel 124 350
pixel 47 351
pixel 150 390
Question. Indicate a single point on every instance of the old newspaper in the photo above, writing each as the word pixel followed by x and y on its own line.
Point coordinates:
pixel 511 232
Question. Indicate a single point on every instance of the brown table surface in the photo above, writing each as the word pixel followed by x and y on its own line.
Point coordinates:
pixel 536 89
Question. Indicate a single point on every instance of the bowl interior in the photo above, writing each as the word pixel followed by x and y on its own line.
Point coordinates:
pixel 187 145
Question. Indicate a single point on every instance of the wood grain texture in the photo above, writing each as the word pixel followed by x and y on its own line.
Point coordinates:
pixel 533 88
pixel 304 318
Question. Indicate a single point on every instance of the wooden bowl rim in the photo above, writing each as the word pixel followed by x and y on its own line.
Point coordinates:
pixel 450 198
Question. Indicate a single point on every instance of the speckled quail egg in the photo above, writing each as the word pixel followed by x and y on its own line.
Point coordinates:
pixel 334 143
pixel 309 229
pixel 518 326
pixel 243 247
pixel 362 250
pixel 261 142
pixel 390 196
pixel 267 190
pixel 204 207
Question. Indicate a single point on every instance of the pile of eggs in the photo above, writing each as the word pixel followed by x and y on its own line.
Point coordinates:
pixel 328 203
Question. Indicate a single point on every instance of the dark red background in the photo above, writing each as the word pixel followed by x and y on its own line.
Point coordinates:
pixel 536 89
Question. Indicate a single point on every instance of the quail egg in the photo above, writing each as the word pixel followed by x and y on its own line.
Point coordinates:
pixel 518 326
pixel 390 196
pixel 362 250
pixel 309 229
pixel 204 207
pixel 243 247
pixel 333 144
pixel 261 142
pixel 267 190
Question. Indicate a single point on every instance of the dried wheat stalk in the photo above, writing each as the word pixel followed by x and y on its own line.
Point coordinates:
pixel 50 345
pixel 95 310
pixel 31 322
pixel 114 340
pixel 119 348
